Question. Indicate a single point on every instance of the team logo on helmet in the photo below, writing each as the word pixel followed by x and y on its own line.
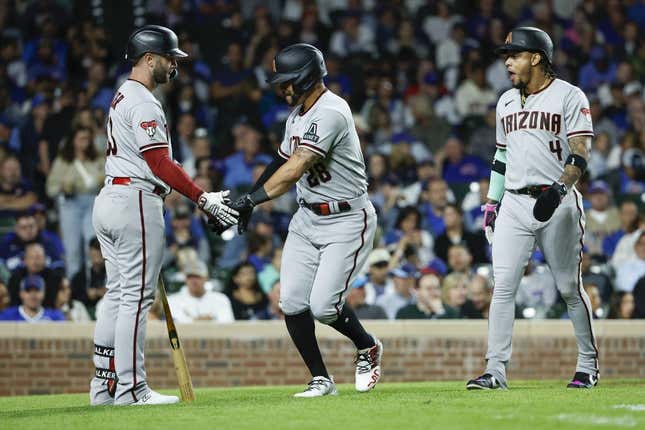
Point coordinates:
pixel 150 127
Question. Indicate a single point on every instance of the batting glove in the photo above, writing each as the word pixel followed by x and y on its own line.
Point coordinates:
pixel 548 201
pixel 214 204
pixel 488 224
pixel 244 206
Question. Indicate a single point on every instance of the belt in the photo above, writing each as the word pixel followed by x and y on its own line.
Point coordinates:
pixel 532 190
pixel 335 207
pixel 124 180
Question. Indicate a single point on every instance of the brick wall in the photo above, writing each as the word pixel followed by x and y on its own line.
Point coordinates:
pixel 38 359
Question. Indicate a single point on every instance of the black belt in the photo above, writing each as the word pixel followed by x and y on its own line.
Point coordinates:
pixel 326 208
pixel 532 191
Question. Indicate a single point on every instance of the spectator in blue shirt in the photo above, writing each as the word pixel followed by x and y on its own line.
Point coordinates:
pixel 597 70
pixel 459 167
pixel 628 224
pixel 238 168
pixel 434 199
pixel 16 194
pixel 32 294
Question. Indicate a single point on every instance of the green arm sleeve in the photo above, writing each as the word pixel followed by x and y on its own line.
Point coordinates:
pixel 496 187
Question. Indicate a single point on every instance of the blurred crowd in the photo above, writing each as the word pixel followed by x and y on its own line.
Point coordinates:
pixel 422 81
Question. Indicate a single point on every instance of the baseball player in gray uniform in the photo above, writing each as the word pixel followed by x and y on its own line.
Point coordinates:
pixel 128 218
pixel 544 131
pixel 331 234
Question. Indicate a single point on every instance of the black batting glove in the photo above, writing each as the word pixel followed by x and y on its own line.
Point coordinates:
pixel 244 206
pixel 548 201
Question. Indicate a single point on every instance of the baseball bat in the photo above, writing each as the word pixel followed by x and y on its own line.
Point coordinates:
pixel 178 357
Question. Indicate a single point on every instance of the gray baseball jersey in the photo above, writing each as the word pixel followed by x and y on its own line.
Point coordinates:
pixel 324 253
pixel 128 220
pixel 535 137
pixel 327 129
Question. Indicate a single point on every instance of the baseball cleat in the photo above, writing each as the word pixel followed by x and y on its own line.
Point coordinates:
pixel 583 380
pixel 368 366
pixel 154 398
pixel 485 382
pixel 318 387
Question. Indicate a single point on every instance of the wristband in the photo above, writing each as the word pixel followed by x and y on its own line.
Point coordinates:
pixel 259 196
pixel 577 161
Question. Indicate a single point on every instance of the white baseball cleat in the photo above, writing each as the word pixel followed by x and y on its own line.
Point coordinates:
pixel 154 398
pixel 318 387
pixel 368 366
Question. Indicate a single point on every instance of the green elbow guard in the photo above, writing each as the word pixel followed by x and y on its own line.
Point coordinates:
pixel 498 170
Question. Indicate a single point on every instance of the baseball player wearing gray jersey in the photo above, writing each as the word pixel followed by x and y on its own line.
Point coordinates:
pixel 128 218
pixel 331 234
pixel 544 131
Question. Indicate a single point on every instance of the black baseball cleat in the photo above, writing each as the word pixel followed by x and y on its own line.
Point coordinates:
pixel 583 380
pixel 485 382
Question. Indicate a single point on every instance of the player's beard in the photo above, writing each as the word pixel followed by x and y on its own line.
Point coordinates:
pixel 160 74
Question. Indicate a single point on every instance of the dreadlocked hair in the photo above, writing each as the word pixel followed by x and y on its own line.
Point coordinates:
pixel 547 67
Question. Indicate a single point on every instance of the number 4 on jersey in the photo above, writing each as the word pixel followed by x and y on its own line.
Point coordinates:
pixel 554 146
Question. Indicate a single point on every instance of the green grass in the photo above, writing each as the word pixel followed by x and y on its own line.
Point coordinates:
pixel 442 405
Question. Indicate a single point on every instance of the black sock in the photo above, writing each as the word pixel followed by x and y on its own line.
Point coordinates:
pixel 349 325
pixel 303 333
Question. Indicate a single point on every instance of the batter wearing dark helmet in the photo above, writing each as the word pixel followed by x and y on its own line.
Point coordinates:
pixel 543 134
pixel 332 232
pixel 128 218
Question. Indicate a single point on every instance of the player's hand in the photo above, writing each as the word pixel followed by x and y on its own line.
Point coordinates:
pixel 548 201
pixel 214 204
pixel 488 224
pixel 215 225
pixel 244 206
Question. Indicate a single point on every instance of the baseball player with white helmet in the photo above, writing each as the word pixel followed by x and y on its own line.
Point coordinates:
pixel 128 218
pixel 331 234
pixel 544 131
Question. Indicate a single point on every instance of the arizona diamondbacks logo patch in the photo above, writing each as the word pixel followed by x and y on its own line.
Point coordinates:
pixel 311 134
pixel 150 127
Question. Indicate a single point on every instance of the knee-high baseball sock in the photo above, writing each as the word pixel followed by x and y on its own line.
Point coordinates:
pixel 303 333
pixel 349 325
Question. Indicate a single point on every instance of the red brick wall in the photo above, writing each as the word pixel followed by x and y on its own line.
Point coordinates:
pixel 38 359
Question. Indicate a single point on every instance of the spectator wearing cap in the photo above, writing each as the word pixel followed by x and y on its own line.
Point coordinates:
pixel 247 298
pixel 405 279
pixel 356 299
pixel 428 304
pixel 628 224
pixel 455 234
pixel 603 218
pixel 459 167
pixel 630 271
pixel 76 176
pixel 378 281
pixel 194 303
pixel 13 244
pixel 16 193
pixel 31 310
pixel 34 262
pixel 185 232
pixel 632 175
pixel 88 285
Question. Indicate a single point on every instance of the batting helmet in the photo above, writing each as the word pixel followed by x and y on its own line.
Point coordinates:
pixel 527 39
pixel 301 64
pixel 153 38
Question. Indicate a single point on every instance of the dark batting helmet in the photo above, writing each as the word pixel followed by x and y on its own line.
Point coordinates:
pixel 301 64
pixel 527 39
pixel 153 38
